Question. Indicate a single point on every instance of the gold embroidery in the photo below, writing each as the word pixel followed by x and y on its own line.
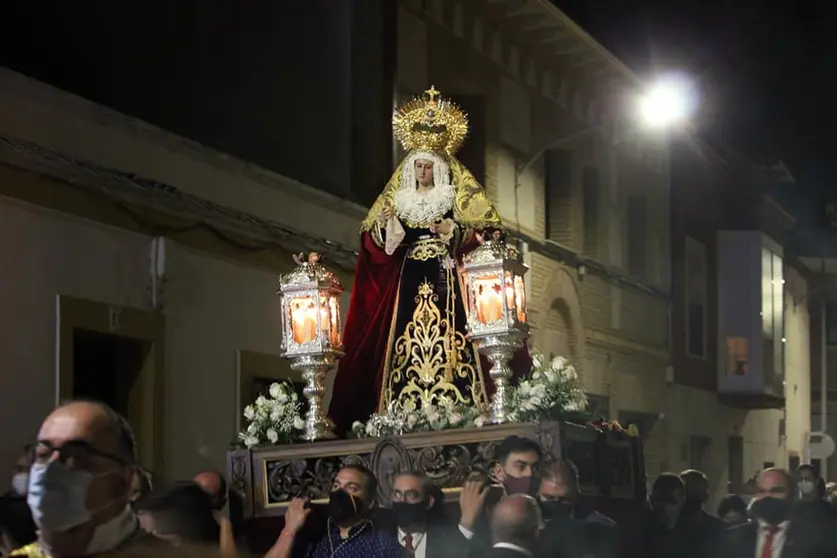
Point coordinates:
pixel 427 249
pixel 429 355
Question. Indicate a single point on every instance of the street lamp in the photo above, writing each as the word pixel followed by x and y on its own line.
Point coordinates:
pixel 666 104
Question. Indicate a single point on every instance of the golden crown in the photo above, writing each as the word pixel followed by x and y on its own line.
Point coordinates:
pixel 430 123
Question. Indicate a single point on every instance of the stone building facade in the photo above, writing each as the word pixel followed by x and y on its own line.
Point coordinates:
pixel 591 206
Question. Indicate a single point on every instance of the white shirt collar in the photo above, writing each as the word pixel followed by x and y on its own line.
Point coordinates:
pixel 511 546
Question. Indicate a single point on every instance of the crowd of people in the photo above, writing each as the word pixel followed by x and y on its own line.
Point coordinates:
pixel 79 491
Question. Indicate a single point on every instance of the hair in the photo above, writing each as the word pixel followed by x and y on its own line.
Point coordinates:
pixel 507 526
pixel 119 425
pixel 182 509
pixel 563 469
pixel 516 444
pixel 809 468
pixel 695 484
pixel 789 479
pixel 667 483
pixel 732 503
pixel 371 480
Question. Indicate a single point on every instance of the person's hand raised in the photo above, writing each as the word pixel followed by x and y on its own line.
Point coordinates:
pixel 471 502
pixel 296 514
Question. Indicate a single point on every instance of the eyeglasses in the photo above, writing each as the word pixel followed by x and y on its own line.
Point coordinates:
pixel 75 454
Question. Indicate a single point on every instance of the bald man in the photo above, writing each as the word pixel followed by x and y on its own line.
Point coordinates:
pixel 515 526
pixel 774 531
pixel 213 483
pixel 80 483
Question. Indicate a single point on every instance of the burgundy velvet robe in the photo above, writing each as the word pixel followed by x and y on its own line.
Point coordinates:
pixel 360 373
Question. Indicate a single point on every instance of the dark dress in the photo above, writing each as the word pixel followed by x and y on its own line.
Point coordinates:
pixel 427 353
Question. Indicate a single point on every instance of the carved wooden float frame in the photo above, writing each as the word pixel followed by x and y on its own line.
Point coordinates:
pixel 309 468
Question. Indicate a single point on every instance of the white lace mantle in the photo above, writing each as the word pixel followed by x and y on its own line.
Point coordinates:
pixel 415 207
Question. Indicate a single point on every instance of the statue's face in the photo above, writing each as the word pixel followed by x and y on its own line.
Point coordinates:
pixel 424 172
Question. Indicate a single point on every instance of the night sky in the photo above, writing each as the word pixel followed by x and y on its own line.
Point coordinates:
pixel 766 71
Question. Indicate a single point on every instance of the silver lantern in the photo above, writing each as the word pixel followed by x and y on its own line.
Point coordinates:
pixel 312 334
pixel 497 321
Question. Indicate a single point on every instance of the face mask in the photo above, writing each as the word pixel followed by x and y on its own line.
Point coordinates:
pixel 556 509
pixel 517 485
pixel 771 510
pixel 407 513
pixel 668 514
pixel 806 487
pixel 20 483
pixel 343 507
pixel 57 496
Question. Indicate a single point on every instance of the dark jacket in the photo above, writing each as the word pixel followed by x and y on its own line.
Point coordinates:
pixel 585 534
pixel 803 541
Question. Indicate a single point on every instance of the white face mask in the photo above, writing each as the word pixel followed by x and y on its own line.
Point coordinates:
pixel 57 496
pixel 20 483
pixel 806 487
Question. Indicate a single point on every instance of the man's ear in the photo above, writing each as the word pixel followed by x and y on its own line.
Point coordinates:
pixel 497 472
pixel 431 501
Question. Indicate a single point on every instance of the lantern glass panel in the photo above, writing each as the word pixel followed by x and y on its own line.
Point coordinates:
pixel 488 298
pixel 511 299
pixel 520 298
pixel 303 319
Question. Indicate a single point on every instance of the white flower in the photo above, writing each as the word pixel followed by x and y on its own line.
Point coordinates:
pixel 278 408
pixel 299 424
pixel 282 397
pixel 252 428
pixel 272 435
pixel 479 422
pixel 537 361
pixel 536 401
pixel 558 363
pixel 275 390
pixel 275 415
pixel 455 418
pixel 261 401
pixel 251 441
pixel 370 428
pixel 249 412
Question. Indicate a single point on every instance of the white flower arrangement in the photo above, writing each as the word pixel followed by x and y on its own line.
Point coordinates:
pixel 550 390
pixel 443 414
pixel 275 419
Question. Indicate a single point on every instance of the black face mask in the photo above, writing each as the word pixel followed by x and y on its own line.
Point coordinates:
pixel 407 513
pixel 556 509
pixel 343 507
pixel 771 510
pixel 517 485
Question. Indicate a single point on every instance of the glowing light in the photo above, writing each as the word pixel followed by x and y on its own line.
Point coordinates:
pixel 667 103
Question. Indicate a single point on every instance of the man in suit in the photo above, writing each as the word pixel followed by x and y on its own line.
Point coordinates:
pixel 420 532
pixel 515 526
pixel 774 531
pixel 573 528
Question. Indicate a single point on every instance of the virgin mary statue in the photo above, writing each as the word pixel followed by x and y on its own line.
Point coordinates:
pixel 405 339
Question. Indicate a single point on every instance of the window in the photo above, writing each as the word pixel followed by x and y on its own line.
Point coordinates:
pixel 772 295
pixel 637 235
pixel 557 190
pixel 699 452
pixel 590 200
pixel 737 356
pixel 696 295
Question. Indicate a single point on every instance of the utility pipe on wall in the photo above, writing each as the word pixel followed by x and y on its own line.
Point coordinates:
pixel 823 381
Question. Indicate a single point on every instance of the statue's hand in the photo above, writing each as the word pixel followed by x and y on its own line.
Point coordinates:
pixel 388 212
pixel 443 228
